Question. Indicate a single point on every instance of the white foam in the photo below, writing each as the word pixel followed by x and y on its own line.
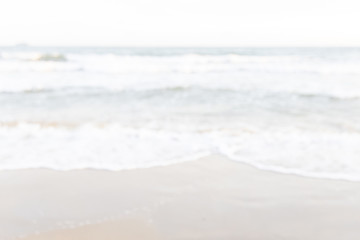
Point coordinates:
pixel 113 147
pixel 312 154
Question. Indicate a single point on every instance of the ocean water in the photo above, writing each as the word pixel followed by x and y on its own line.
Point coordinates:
pixel 293 110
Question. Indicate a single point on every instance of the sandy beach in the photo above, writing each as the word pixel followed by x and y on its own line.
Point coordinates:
pixel 211 198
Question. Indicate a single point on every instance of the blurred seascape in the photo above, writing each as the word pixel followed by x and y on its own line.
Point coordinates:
pixel 292 110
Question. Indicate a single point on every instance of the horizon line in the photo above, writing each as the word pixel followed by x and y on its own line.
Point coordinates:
pixel 179 46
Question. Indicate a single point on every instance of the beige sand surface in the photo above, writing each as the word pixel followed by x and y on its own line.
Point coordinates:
pixel 212 198
pixel 110 230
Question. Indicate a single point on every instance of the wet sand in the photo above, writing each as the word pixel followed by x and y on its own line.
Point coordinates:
pixel 211 198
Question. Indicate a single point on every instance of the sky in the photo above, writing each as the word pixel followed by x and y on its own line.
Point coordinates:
pixel 221 23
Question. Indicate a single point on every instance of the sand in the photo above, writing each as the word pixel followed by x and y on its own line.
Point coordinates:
pixel 110 230
pixel 211 198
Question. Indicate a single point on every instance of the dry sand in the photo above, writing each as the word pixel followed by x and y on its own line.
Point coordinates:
pixel 212 198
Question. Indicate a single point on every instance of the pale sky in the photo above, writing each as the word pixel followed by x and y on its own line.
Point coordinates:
pixel 181 22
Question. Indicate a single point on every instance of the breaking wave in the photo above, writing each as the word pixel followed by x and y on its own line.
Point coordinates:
pixel 61 146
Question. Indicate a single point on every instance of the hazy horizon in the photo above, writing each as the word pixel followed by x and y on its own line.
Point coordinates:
pixel 26 45
pixel 187 23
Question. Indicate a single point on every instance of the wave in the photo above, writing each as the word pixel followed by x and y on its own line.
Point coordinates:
pixel 186 64
pixel 186 91
pixel 59 147
pixel 113 147
pixel 308 154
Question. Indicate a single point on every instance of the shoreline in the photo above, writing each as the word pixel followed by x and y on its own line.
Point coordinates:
pixel 276 170
pixel 210 198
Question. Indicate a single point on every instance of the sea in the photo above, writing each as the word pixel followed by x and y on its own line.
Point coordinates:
pixel 289 110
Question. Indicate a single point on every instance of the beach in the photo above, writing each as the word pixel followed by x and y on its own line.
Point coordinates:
pixel 179 120
pixel 179 143
pixel 210 198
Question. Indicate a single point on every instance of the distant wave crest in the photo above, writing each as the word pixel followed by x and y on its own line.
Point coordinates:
pixel 177 64
pixel 185 91
pixel 51 57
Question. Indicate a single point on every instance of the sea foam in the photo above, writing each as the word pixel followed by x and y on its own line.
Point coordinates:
pixel 114 147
